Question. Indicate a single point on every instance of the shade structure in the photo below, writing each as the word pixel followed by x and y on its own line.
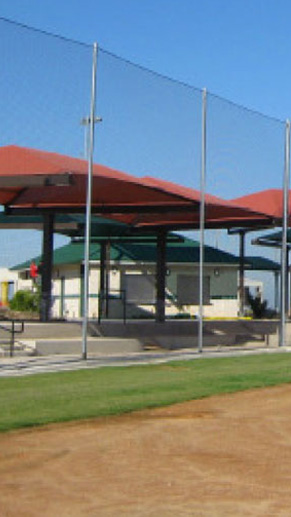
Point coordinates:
pixel 111 188
pixel 219 213
pixel 269 202
pixel 42 180
pixel 272 240
pixel 71 225
pixel 62 222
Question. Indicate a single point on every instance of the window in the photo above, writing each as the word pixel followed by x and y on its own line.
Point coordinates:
pixel 140 289
pixel 24 275
pixel 188 290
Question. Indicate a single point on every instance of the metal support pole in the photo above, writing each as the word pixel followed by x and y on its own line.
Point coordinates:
pixel 88 204
pixel 287 294
pixel 276 291
pixel 202 218
pixel 161 276
pixel 241 272
pixel 107 277
pixel 46 267
pixel 12 339
pixel 102 279
pixel 283 315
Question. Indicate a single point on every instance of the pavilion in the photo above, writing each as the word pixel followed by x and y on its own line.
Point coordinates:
pixel 40 183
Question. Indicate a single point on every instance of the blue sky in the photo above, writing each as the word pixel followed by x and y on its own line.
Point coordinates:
pixel 239 49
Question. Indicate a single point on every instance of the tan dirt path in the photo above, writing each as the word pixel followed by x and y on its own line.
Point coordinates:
pixel 222 456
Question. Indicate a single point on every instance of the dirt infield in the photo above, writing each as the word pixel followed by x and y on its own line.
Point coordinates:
pixel 222 456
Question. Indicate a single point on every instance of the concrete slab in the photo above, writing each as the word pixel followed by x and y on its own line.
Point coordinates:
pixel 14 367
pixel 104 346
pixel 113 336
pixel 34 330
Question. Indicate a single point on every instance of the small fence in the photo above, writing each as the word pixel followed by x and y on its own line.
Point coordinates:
pixel 14 327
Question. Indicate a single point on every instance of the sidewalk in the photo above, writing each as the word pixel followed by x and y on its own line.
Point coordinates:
pixel 20 366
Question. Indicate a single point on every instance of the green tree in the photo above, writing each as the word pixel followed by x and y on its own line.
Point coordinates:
pixel 25 301
pixel 258 306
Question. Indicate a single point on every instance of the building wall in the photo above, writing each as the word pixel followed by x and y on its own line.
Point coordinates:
pixel 223 298
pixel 67 292
pixel 68 284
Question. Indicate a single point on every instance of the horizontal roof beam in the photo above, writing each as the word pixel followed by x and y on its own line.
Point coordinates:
pixel 105 209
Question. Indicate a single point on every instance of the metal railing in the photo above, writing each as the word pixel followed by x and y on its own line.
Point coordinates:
pixel 116 294
pixel 13 329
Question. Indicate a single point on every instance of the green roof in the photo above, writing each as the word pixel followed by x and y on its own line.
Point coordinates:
pixel 277 236
pixel 186 251
pixel 100 226
pixel 273 239
pixel 261 264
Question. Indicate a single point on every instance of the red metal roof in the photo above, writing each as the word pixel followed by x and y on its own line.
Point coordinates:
pixel 147 201
pixel 109 185
pixel 218 212
pixel 185 192
pixel 269 202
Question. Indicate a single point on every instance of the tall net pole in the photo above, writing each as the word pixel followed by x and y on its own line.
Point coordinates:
pixel 284 274
pixel 91 122
pixel 202 219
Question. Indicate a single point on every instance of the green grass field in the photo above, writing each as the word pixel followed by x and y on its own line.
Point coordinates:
pixel 59 397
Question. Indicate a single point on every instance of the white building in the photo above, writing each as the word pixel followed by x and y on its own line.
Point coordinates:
pixel 130 279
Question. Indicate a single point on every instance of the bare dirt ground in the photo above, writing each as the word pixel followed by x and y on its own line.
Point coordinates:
pixel 223 456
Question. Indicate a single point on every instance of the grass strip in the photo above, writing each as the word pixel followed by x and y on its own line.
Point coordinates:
pixel 65 396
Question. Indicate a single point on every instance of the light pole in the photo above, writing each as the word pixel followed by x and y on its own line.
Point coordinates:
pixel 90 122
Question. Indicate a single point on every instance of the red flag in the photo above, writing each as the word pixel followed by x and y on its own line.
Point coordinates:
pixel 33 270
